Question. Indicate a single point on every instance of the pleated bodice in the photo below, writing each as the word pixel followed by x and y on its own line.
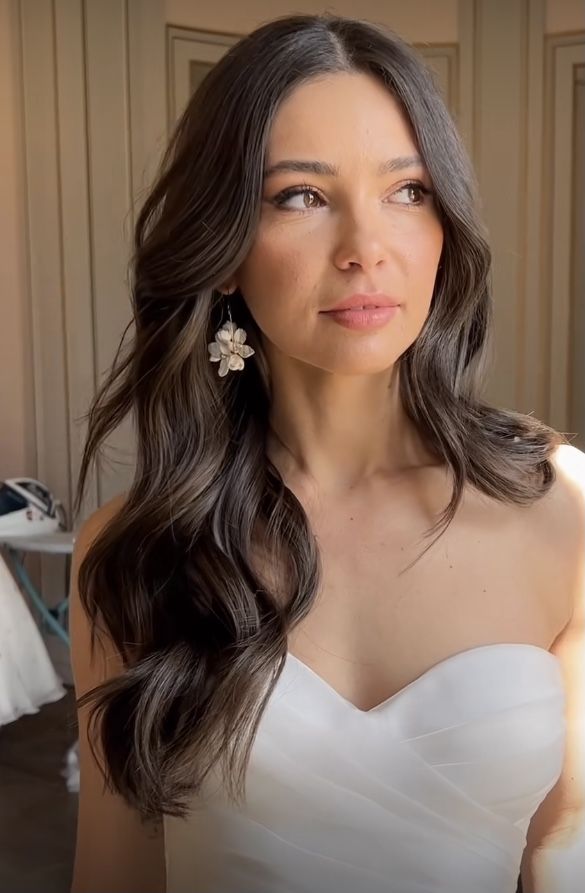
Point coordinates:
pixel 431 791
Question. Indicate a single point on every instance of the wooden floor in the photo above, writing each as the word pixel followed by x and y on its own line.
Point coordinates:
pixel 38 815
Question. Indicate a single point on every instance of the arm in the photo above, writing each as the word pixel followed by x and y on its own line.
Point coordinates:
pixel 554 858
pixel 115 852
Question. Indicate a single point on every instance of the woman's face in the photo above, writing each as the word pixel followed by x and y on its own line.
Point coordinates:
pixel 354 231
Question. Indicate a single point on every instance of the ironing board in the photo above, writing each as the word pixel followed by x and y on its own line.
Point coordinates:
pixel 53 619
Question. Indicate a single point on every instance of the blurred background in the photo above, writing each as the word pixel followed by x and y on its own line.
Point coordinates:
pixel 89 90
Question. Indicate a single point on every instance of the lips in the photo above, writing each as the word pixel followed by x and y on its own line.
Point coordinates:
pixel 370 318
pixel 364 302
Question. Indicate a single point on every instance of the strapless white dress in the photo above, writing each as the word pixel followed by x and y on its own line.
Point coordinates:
pixel 431 791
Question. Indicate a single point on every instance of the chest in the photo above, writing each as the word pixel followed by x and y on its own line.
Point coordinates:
pixel 377 623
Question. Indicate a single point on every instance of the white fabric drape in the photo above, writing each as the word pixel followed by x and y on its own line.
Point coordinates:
pixel 27 676
pixel 430 792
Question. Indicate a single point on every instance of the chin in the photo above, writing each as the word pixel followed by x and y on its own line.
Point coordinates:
pixel 359 366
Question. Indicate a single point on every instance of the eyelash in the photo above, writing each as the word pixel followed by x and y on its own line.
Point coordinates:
pixel 300 190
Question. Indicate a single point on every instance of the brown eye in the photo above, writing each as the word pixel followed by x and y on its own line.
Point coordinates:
pixel 283 198
pixel 420 192
pixel 310 199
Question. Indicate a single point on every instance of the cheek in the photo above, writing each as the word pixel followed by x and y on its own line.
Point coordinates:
pixel 423 254
pixel 275 270
pixel 280 272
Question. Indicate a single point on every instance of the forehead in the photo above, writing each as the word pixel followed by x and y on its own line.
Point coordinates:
pixel 344 113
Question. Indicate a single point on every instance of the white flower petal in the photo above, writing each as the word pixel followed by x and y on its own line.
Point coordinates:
pixel 239 336
pixel 214 351
pixel 236 362
pixel 223 335
pixel 245 350
pixel 225 348
pixel 224 367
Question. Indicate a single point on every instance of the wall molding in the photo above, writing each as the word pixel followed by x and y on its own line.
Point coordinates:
pixel 94 113
pixel 534 301
pixel 564 60
pixel 443 58
pixel 185 48
pixel 533 349
pixel 93 107
pixel 191 48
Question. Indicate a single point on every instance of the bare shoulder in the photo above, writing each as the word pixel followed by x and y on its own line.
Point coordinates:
pixel 569 465
pixel 569 646
pixel 563 507
pixel 556 836
pixel 559 534
pixel 94 524
pixel 85 672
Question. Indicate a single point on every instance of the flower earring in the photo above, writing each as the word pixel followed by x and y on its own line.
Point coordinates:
pixel 229 349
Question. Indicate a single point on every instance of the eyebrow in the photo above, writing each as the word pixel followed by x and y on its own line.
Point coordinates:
pixel 323 168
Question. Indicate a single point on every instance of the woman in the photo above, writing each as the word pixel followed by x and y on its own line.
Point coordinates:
pixel 289 694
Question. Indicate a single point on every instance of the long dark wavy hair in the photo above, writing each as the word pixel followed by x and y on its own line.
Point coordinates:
pixel 174 577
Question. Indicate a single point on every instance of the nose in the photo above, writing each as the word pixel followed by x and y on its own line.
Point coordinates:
pixel 361 242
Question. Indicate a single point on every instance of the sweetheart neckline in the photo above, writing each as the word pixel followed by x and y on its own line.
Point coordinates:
pixel 388 701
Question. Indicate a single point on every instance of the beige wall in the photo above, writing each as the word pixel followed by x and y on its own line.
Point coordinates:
pixel 17 441
pixel 564 16
pixel 417 20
